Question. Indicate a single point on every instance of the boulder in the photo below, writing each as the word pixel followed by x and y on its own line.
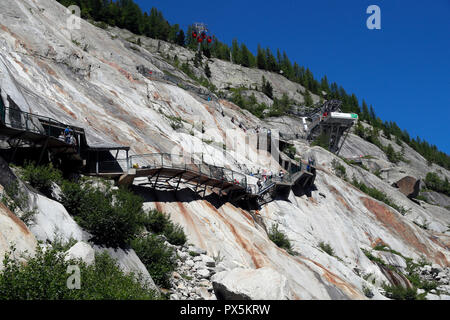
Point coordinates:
pixel 196 250
pixel 209 262
pixel 81 250
pixel 14 231
pixel 409 186
pixel 53 222
pixel 203 273
pixel 250 284
pixel 392 259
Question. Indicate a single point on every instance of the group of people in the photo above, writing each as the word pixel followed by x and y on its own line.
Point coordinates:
pixel 68 136
pixel 266 176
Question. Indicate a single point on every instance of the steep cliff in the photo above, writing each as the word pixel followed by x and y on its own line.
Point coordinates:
pixel 90 78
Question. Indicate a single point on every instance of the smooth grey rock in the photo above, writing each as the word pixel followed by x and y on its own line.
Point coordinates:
pixel 250 284
pixel 189 263
pixel 197 250
pixel 81 250
pixel 209 262
pixel 203 273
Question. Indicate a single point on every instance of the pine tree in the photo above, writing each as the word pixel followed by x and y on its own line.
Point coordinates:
pixel 365 112
pixel 308 99
pixel 180 40
pixel 261 59
pixel 207 71
pixel 245 56
pixel 235 52
pixel 324 85
pixel 267 88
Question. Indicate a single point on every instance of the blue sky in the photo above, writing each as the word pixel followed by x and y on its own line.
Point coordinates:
pixel 403 70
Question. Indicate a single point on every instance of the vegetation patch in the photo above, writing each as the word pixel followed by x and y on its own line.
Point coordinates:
pixel 44 277
pixel 435 183
pixel 113 217
pixel 326 247
pixel 160 223
pixel 379 195
pixel 338 168
pixel 159 259
pixel 41 177
pixel 280 239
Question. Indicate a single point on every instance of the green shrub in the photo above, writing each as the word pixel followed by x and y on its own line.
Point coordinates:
pixel 159 259
pixel 279 238
pixel 41 177
pixel 379 195
pixel 159 223
pixel 327 248
pixel 113 217
pixel 434 182
pixel 44 277
pixel 155 221
pixel 371 257
pixel 73 197
pixel 175 234
pixel 338 168
pixel 400 293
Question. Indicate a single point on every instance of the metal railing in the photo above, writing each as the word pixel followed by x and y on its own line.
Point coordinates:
pixel 173 161
pixel 20 120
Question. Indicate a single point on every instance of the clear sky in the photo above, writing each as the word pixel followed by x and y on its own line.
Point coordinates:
pixel 403 70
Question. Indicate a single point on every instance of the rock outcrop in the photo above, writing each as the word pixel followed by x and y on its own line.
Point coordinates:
pixel 83 251
pixel 409 186
pixel 249 284
pixel 13 232
pixel 88 78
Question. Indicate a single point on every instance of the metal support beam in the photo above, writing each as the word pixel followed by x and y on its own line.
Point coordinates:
pixel 43 150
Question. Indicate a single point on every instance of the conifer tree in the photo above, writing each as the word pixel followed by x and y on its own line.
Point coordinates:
pixel 261 58
pixel 207 71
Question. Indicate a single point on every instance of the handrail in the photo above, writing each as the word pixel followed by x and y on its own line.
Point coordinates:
pixel 22 120
pixel 173 161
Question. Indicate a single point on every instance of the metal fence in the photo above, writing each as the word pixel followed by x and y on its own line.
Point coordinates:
pixel 173 161
pixel 20 120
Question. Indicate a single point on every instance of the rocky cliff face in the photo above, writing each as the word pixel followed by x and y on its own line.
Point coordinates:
pixel 90 78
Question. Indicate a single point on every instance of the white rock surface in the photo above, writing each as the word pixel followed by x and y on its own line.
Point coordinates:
pixel 13 232
pixel 100 90
pixel 248 284
pixel 81 250
pixel 53 222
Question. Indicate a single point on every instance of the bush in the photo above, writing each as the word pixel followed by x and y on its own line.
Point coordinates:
pixel 159 223
pixel 338 168
pixel 113 217
pixel 44 277
pixel 41 177
pixel 159 259
pixel 175 234
pixel 400 293
pixel 73 197
pixel 379 195
pixel 327 248
pixel 279 238
pixel 434 182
